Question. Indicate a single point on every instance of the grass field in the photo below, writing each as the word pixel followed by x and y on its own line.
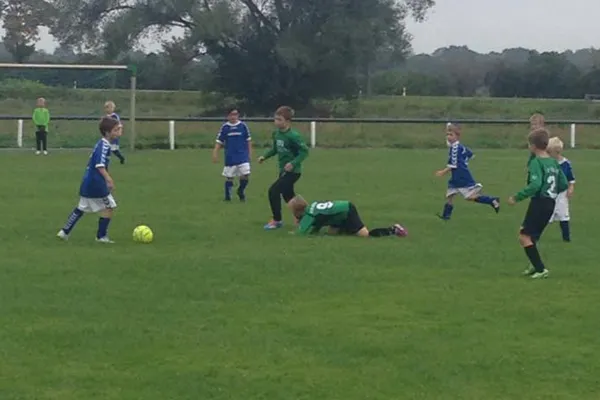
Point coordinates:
pixel 216 308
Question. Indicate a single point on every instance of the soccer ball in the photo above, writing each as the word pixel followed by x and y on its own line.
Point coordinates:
pixel 143 234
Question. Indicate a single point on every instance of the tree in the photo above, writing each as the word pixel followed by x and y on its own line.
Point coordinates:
pixel 21 20
pixel 267 52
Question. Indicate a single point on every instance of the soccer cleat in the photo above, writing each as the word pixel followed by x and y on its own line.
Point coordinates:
pixel 37 153
pixel 529 271
pixel 104 240
pixel 496 204
pixel 45 153
pixel 122 161
pixel 273 225
pixel 440 216
pixel 62 235
pixel 540 275
pixel 399 230
pixel 241 195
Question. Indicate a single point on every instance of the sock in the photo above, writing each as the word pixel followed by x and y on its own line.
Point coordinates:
pixel 485 200
pixel 72 220
pixel 566 231
pixel 228 186
pixel 380 232
pixel 448 208
pixel 534 258
pixel 102 227
pixel 242 188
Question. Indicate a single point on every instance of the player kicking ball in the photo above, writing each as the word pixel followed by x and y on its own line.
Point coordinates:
pixel 97 185
pixel 235 137
pixel 341 217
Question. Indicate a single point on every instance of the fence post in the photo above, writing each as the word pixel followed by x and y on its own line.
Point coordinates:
pixel 572 136
pixel 313 134
pixel 20 133
pixel 172 135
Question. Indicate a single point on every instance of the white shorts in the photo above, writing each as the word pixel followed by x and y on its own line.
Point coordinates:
pixel 466 192
pixel 114 147
pixel 94 205
pixel 561 209
pixel 236 170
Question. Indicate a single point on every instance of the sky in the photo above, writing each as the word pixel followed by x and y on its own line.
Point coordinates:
pixel 493 25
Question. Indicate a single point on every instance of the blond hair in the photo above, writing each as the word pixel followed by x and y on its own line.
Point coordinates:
pixel 555 145
pixel 110 105
pixel 537 120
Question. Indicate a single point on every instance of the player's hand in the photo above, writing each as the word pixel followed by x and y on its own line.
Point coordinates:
pixel 110 184
pixel 215 158
pixel 440 173
pixel 570 192
pixel 261 159
pixel 289 167
pixel 512 201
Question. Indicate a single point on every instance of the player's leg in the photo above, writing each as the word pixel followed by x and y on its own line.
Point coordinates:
pixel 474 194
pixel 355 226
pixel 274 194
pixel 288 191
pixel 561 213
pixel 244 173
pixel 73 218
pixel 229 172
pixel 448 206
pixel 536 219
pixel 106 207
pixel 45 142
pixel 38 141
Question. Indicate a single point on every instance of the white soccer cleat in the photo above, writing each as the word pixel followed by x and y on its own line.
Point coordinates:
pixel 45 153
pixel 529 271
pixel 62 235
pixel 540 275
pixel 37 153
pixel 105 240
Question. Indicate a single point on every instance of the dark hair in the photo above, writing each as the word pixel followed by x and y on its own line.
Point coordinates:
pixel 107 124
pixel 539 138
pixel 285 112
pixel 232 109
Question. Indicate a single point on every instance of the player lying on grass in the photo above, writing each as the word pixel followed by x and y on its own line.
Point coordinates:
pixel 545 181
pixel 235 137
pixel 341 217
pixel 97 185
pixel 461 181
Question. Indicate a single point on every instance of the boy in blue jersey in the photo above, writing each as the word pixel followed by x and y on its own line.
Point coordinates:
pixel 461 181
pixel 109 111
pixel 235 137
pixel 561 209
pixel 97 185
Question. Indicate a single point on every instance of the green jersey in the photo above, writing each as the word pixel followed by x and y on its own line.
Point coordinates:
pixel 41 117
pixel 545 179
pixel 323 213
pixel 290 148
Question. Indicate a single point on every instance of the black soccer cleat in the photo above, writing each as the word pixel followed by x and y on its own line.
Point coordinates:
pixel 440 216
pixel 496 205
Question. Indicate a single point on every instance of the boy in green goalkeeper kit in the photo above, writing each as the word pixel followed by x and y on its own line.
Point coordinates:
pixel 341 217
pixel 291 150
pixel 41 120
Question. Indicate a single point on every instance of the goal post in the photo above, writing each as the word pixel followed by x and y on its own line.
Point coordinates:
pixel 132 78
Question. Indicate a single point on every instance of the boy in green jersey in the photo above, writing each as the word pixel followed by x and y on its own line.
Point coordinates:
pixel 545 181
pixel 340 216
pixel 291 150
pixel 41 120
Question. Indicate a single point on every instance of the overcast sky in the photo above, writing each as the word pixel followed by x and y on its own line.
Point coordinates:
pixel 493 25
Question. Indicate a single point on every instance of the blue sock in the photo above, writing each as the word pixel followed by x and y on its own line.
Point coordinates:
pixel 242 188
pixel 485 200
pixel 103 227
pixel 72 220
pixel 566 230
pixel 448 208
pixel 228 186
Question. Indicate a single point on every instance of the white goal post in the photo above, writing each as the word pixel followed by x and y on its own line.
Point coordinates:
pixel 133 82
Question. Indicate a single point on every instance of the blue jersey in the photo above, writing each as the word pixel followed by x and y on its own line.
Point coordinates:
pixel 458 161
pixel 566 167
pixel 235 138
pixel 93 184
pixel 118 118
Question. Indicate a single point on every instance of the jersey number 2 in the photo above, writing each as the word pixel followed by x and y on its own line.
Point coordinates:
pixel 552 189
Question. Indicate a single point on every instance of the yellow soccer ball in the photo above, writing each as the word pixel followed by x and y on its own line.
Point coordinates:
pixel 143 234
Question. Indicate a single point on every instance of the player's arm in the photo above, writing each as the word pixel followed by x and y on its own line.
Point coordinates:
pixel 535 182
pixel 563 182
pixel 271 152
pixel 307 226
pixel 100 164
pixel 452 161
pixel 571 178
pixel 218 145
pixel 249 141
pixel 302 150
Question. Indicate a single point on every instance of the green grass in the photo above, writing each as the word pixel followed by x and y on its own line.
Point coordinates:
pixel 216 308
